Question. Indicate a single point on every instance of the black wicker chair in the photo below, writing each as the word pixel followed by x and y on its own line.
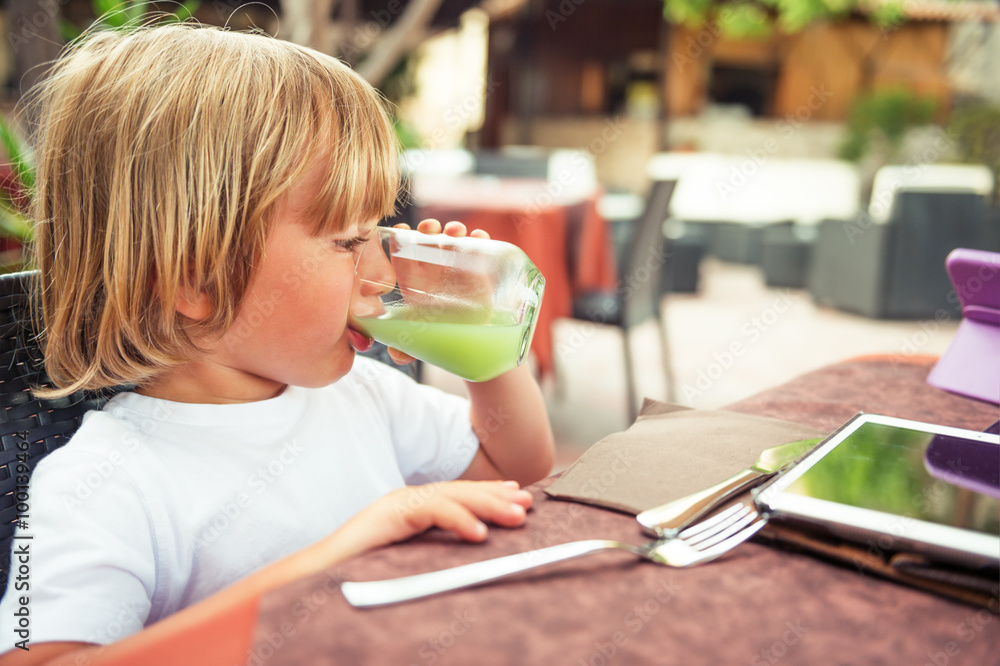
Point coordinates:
pixel 30 428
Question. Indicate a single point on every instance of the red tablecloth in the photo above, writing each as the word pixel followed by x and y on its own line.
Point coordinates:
pixel 565 237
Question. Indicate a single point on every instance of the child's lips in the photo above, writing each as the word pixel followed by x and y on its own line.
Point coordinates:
pixel 359 340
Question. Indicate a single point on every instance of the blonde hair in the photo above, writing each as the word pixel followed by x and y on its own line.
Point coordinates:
pixel 161 153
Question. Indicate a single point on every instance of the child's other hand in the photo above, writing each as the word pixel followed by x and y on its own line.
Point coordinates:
pixel 459 507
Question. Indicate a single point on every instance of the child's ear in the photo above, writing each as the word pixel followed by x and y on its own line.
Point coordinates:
pixel 195 305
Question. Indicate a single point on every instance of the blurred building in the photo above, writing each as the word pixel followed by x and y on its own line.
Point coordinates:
pixel 614 77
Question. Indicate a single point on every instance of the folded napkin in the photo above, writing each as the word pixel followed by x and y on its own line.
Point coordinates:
pixel 670 452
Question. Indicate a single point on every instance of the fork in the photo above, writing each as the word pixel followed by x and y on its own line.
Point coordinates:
pixel 700 543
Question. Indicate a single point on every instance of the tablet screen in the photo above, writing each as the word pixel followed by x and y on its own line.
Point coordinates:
pixel 935 478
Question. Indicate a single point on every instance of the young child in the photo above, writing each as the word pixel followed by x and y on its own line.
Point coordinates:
pixel 204 203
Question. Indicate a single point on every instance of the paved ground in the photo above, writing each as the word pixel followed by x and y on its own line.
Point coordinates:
pixel 733 339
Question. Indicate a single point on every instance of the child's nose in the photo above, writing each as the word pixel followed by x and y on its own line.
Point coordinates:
pixel 374 271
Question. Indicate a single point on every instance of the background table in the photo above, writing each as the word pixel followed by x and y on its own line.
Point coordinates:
pixel 759 605
pixel 565 236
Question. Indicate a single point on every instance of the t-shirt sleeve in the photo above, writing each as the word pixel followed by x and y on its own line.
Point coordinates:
pixel 85 562
pixel 431 430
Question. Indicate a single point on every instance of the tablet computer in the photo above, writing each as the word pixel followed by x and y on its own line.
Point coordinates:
pixel 899 486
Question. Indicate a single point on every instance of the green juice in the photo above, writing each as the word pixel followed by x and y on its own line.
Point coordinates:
pixel 472 345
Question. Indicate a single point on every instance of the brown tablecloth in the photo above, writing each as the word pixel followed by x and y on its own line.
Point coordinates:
pixel 568 241
pixel 759 605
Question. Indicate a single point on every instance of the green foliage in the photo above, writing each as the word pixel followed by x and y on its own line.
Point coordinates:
pixel 758 18
pixel 17 155
pixel 124 14
pixel 15 225
pixel 118 14
pixel 976 130
pixel 745 21
pixel 406 134
pixel 884 117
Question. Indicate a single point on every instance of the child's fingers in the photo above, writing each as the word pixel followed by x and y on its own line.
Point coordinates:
pixel 429 226
pixel 491 501
pixel 400 358
pixel 455 229
pixel 453 516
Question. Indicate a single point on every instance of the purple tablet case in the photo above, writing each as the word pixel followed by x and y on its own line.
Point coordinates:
pixel 965 462
pixel 971 366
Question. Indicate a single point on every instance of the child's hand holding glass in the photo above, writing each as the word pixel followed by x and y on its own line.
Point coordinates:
pixel 468 305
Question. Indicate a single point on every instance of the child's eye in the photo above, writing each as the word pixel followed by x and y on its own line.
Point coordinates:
pixel 350 244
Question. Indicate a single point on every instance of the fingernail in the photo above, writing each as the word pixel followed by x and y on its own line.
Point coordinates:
pixel 480 529
pixel 517 509
pixel 512 484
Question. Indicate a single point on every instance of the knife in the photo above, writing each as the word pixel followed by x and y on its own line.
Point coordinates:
pixel 667 520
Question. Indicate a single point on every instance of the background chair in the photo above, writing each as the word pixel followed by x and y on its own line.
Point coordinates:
pixel 889 260
pixel 786 253
pixel 637 297
pixel 30 428
pixel 896 269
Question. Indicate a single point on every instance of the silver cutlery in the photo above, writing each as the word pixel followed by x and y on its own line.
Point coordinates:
pixel 698 544
pixel 669 519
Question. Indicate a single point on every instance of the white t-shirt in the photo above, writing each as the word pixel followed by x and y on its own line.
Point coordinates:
pixel 154 505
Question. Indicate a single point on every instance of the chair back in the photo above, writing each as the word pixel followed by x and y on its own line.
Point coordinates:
pixel 646 258
pixel 925 226
pixel 30 428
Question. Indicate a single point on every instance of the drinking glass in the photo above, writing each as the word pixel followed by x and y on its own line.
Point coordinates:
pixel 467 305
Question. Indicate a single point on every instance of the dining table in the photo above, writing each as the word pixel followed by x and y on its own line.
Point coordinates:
pixel 558 226
pixel 761 604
